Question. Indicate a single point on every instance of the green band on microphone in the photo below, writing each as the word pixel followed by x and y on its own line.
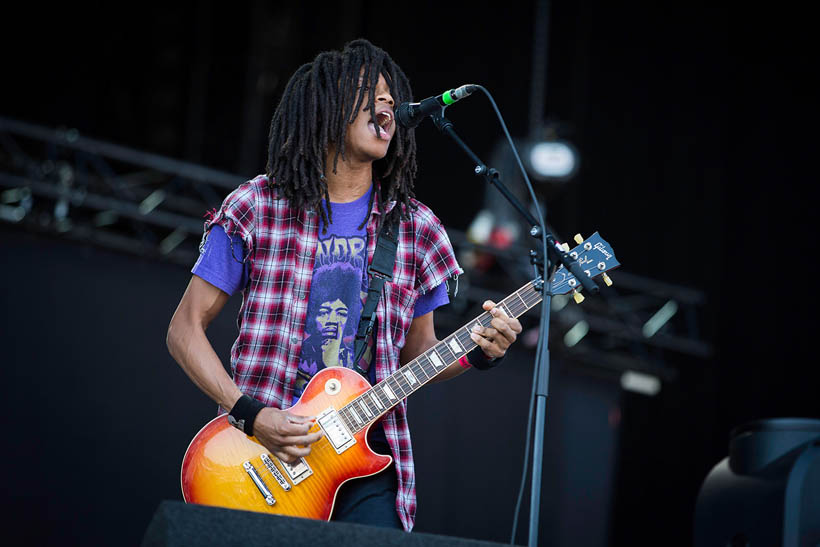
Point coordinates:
pixel 447 98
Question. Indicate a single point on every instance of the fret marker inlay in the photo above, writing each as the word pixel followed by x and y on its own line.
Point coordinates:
pixel 453 343
pixel 365 409
pixel 436 359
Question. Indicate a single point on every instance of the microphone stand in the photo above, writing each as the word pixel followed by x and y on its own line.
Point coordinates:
pixel 549 264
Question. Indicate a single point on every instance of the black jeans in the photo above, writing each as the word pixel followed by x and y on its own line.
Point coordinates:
pixel 370 500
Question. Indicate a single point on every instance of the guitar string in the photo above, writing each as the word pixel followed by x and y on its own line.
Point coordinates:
pixel 529 299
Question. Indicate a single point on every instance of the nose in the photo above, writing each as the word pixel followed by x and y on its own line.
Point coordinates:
pixel 385 97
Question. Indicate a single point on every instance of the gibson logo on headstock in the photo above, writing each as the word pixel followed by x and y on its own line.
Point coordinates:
pixel 601 249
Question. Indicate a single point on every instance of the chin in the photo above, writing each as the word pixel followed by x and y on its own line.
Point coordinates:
pixel 379 150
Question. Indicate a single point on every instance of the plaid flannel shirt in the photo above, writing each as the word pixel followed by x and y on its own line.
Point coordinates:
pixel 281 243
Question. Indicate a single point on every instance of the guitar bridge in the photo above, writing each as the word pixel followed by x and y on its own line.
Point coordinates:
pixel 280 478
pixel 260 484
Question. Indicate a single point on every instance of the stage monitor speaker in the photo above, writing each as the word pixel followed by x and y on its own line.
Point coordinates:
pixel 767 491
pixel 178 524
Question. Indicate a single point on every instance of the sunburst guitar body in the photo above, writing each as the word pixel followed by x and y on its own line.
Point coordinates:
pixel 225 467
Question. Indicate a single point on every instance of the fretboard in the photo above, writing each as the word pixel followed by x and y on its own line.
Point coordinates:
pixel 379 399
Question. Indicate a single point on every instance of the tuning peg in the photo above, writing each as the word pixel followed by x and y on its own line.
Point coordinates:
pixel 578 239
pixel 607 280
pixel 565 247
pixel 577 296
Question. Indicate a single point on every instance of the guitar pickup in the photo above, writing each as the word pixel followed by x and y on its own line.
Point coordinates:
pixel 297 472
pixel 335 430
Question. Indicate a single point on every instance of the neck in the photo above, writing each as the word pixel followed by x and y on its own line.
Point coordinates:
pixel 350 181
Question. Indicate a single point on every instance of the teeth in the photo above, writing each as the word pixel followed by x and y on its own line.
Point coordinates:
pixel 384 119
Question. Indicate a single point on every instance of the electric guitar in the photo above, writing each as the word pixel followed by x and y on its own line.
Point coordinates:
pixel 226 468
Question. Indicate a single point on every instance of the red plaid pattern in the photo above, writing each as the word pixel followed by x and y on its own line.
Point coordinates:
pixel 281 243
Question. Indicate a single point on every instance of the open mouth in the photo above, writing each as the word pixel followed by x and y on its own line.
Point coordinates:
pixel 380 125
pixel 384 119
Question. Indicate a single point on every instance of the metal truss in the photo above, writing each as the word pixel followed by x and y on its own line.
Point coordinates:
pixel 640 331
pixel 60 182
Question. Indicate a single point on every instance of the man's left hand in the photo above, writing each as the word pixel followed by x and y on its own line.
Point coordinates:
pixel 502 332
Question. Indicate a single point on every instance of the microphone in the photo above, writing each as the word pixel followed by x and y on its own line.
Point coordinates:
pixel 409 115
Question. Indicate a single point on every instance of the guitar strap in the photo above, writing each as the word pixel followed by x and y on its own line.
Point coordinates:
pixel 381 271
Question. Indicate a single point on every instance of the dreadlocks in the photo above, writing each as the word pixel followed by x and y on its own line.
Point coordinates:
pixel 319 102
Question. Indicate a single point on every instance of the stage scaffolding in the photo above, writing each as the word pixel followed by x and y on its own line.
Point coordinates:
pixel 58 182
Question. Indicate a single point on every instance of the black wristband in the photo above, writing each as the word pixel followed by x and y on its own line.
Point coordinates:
pixel 480 361
pixel 243 414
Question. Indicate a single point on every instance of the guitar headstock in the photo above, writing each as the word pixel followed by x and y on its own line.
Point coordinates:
pixel 595 256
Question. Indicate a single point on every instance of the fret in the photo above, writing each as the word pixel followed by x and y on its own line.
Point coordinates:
pixel 533 295
pixel 401 383
pixel 343 416
pixel 378 389
pixel 445 353
pixel 395 387
pixel 515 307
pixel 503 306
pixel 522 300
pixel 467 341
pixel 428 367
pixel 369 402
pixel 419 371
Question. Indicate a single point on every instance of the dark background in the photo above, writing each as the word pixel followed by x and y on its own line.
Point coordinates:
pixel 694 125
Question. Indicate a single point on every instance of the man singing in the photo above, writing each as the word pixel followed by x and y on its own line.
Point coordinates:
pixel 338 169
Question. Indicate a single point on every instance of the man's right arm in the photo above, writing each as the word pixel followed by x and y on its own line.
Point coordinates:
pixel 190 347
pixel 284 434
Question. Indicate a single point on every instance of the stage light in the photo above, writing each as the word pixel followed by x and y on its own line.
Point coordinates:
pixel 576 333
pixel 172 241
pixel 552 160
pixel 639 382
pixel 12 214
pixel 661 317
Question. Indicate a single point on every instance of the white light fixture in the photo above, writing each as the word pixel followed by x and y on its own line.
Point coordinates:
pixel 639 382
pixel 552 160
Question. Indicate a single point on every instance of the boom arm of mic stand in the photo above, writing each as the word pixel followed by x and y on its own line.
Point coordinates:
pixel 492 176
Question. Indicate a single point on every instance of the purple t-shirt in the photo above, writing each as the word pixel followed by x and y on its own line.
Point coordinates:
pixel 338 288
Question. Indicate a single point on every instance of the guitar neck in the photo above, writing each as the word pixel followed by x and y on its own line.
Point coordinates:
pixel 378 400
